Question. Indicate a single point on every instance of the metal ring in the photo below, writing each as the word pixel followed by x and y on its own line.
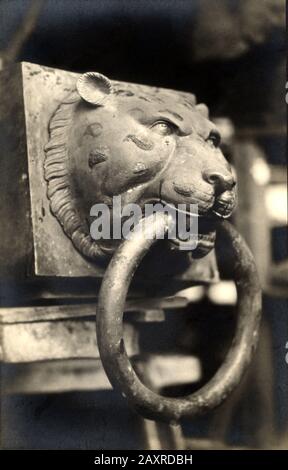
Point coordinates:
pixel 109 327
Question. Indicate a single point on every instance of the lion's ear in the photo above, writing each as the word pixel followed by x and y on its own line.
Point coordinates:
pixel 94 88
pixel 203 109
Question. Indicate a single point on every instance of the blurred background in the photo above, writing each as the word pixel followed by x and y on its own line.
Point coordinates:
pixel 232 55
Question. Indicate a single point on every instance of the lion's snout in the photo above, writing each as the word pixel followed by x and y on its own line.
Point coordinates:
pixel 221 192
pixel 212 188
pixel 221 180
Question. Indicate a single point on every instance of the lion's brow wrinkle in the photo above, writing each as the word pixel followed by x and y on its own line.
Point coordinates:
pixel 188 105
pixel 176 115
pixel 127 93
pixel 144 98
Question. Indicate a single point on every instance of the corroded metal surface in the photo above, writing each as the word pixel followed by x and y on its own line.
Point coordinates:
pixel 109 328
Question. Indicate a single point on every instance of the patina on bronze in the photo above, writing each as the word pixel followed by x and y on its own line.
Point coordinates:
pixel 109 328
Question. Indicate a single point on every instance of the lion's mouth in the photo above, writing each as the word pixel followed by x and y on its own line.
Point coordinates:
pixel 224 205
pixel 202 238
pixel 194 232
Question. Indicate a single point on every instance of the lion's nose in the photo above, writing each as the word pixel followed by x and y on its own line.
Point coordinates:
pixel 221 181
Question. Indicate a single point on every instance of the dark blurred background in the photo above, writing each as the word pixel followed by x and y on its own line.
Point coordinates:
pixel 230 53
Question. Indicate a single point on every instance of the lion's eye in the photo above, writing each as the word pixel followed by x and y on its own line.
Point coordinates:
pixel 162 128
pixel 214 138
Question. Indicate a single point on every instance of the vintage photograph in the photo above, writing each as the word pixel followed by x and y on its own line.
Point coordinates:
pixel 143 206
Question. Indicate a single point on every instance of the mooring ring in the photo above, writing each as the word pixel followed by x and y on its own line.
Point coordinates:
pixel 109 327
